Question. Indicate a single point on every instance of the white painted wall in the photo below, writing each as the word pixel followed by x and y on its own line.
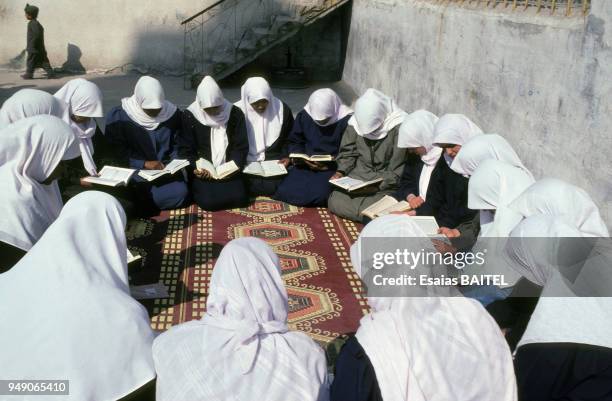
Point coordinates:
pixel 543 82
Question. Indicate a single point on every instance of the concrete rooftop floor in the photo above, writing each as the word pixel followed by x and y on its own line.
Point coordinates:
pixel 117 86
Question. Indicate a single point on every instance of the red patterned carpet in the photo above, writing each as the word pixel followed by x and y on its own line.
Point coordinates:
pixel 179 248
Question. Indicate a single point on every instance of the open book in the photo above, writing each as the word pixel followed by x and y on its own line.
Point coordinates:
pixel 312 158
pixel 112 176
pixel 428 224
pixel 171 168
pixel 386 205
pixel 149 291
pixel 351 184
pixel 266 168
pixel 132 258
pixel 219 172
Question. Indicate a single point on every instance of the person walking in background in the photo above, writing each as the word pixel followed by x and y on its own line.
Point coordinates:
pixel 37 54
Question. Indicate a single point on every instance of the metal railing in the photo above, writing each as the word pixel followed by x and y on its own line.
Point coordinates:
pixel 214 37
pixel 553 7
pixel 229 33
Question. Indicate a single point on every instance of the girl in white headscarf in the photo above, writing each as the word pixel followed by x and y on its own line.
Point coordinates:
pixel 566 350
pixel 268 123
pixel 453 131
pixel 416 135
pixel 28 103
pixel 30 154
pixel 555 197
pixel 428 185
pixel 369 151
pixel 66 308
pixel 484 147
pixel 492 187
pixel 143 134
pixel 317 130
pixel 83 99
pixel 215 130
pixel 422 348
pixel 241 348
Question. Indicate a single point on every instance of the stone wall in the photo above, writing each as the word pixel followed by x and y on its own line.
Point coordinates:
pixel 542 82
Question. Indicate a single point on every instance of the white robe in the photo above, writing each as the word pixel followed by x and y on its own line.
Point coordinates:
pixel 84 99
pixel 241 349
pixel 28 103
pixel 67 312
pixel 561 314
pixel 30 150
pixel 431 347
pixel 555 197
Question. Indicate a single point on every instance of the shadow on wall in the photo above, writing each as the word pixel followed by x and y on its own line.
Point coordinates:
pixel 73 64
pixel 156 52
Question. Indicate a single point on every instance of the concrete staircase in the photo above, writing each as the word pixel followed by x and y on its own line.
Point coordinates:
pixel 230 34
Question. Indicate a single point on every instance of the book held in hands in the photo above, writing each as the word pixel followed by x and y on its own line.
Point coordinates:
pixel 312 158
pixel 112 176
pixel 220 172
pixel 266 168
pixel 386 205
pixel 352 184
pixel 172 167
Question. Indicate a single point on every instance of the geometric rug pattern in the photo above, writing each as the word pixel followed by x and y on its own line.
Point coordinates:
pixel 179 248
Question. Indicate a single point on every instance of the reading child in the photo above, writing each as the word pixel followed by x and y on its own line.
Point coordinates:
pixel 268 122
pixel 317 130
pixel 143 131
pixel 215 130
pixel 31 152
pixel 369 151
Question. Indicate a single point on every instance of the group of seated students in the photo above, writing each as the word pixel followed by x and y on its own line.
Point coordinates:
pixel 64 294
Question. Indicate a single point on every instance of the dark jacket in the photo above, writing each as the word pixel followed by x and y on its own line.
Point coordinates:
pixel 36 38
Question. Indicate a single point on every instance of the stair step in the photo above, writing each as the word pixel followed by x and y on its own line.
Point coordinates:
pixel 261 30
pixel 282 19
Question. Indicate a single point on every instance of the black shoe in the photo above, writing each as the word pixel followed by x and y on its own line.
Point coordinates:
pixel 27 76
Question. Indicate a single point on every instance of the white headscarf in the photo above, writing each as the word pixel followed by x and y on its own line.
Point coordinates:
pixel 416 131
pixel 484 147
pixel 30 150
pixel 242 348
pixel 555 197
pixel 28 103
pixel 325 104
pixel 263 129
pixel 455 129
pixel 84 99
pixel 431 348
pixel 148 94
pixel 570 319
pixel 375 115
pixel 493 186
pixel 66 308
pixel 210 95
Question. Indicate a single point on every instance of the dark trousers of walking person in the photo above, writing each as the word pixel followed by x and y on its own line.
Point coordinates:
pixel 37 60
